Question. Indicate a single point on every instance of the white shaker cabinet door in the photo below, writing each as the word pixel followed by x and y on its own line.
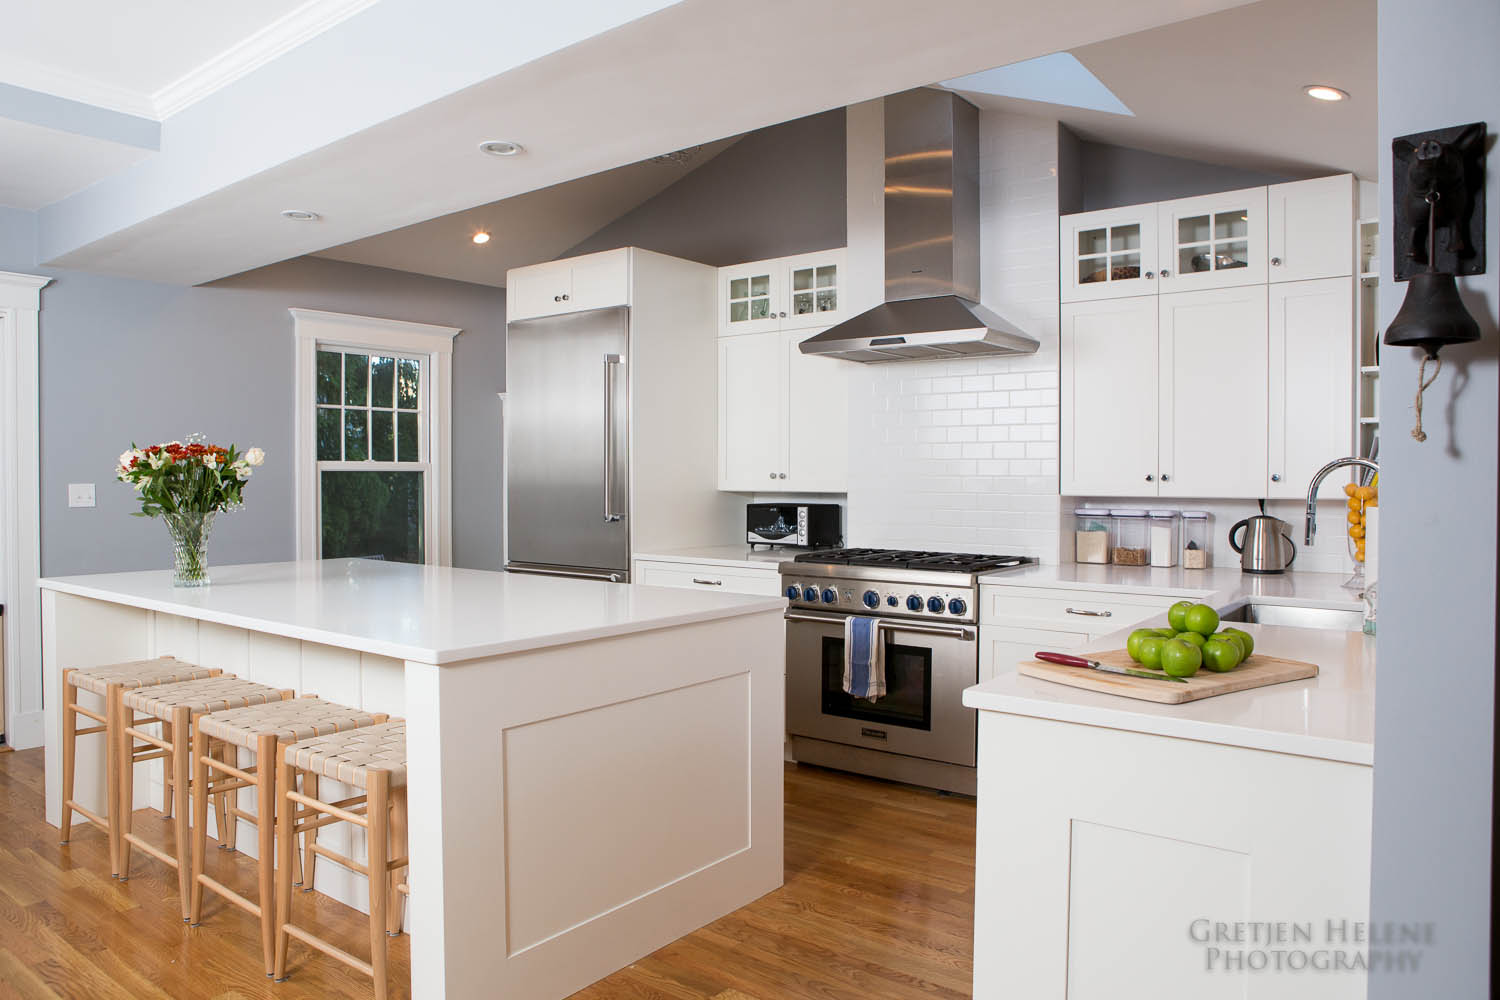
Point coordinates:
pixel 817 416
pixel 540 290
pixel 1312 381
pixel 1212 241
pixel 1310 228
pixel 1109 398
pixel 752 414
pixel 1108 254
pixel 1212 348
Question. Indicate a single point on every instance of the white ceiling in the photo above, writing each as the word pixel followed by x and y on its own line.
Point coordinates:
pixel 537 225
pixel 1227 88
pixel 151 57
pixel 41 165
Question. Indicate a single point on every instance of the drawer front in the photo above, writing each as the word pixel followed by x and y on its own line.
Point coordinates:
pixel 1003 646
pixel 720 579
pixel 1092 612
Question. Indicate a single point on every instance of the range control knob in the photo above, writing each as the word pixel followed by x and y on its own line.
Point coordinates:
pixel 830 596
pixel 935 605
pixel 893 600
pixel 872 599
pixel 810 594
pixel 913 603
pixel 957 607
pixel 793 592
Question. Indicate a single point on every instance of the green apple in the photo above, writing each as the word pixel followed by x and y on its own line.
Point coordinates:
pixel 1151 648
pixel 1221 655
pixel 1180 659
pixel 1177 615
pixel 1247 640
pixel 1133 644
pixel 1237 641
pixel 1202 619
pixel 1192 637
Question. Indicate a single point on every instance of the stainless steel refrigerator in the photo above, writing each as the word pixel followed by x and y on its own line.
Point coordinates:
pixel 568 461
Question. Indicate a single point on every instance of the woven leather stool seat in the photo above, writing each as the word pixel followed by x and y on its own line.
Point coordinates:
pixel 214 694
pixel 349 756
pixel 290 721
pixel 137 674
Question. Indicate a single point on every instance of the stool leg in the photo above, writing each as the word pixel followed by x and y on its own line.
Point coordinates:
pixel 398 849
pixel 69 748
pixel 116 764
pixel 182 777
pixel 309 859
pixel 200 823
pixel 286 848
pixel 166 773
pixel 227 823
pixel 379 783
pixel 122 774
pixel 266 808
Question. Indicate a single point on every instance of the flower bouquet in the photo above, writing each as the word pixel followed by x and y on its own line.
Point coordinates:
pixel 186 485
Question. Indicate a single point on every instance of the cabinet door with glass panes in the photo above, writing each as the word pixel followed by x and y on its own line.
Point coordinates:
pixel 1108 254
pixel 814 289
pixel 1212 241
pixel 751 298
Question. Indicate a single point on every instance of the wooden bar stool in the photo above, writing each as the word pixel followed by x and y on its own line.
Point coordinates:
pixel 178 704
pixel 372 759
pixel 261 728
pixel 109 682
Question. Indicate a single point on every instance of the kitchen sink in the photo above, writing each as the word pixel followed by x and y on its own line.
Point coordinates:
pixel 1338 619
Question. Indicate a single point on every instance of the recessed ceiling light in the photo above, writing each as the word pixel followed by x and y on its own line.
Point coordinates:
pixel 300 215
pixel 1323 92
pixel 481 237
pixel 501 147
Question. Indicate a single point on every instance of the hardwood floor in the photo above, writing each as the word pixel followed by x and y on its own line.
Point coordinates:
pixel 878 903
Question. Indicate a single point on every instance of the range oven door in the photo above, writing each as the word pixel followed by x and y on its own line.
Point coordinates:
pixel 927 667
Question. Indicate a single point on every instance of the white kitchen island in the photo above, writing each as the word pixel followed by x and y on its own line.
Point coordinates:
pixel 594 768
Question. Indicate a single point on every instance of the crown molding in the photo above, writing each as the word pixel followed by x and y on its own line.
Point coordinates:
pixel 274 40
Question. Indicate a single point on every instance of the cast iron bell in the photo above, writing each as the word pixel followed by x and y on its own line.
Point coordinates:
pixel 1432 316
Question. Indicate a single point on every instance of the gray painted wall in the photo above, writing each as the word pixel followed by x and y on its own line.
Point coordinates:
pixel 1111 176
pixel 1435 704
pixel 778 191
pixel 124 359
pixel 17 240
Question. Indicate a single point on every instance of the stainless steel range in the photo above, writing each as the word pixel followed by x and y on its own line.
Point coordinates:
pixel 926 607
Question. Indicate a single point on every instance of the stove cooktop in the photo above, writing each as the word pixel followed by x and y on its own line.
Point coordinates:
pixel 953 562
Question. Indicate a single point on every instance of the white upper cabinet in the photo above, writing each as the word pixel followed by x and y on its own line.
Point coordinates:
pixel 1311 381
pixel 1310 228
pixel 1109 394
pixel 1212 355
pixel 592 281
pixel 786 293
pixel 817 413
pixel 1108 254
pixel 1212 241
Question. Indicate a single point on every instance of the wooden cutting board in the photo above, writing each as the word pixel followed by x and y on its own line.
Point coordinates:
pixel 1257 671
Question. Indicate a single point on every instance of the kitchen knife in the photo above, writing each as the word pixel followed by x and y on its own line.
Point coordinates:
pixel 1068 660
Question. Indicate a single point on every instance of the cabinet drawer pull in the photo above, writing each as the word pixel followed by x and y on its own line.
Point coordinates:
pixel 708 583
pixel 1089 614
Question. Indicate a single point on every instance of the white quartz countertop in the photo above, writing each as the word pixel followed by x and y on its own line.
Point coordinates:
pixel 1331 716
pixel 725 555
pixel 433 614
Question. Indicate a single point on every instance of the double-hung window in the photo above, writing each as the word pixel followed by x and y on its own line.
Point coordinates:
pixel 372 430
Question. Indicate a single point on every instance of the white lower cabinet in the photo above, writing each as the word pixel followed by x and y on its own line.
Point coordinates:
pixel 715 577
pixel 1106 857
pixel 1016 622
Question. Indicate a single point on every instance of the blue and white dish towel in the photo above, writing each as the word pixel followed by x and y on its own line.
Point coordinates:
pixel 864 658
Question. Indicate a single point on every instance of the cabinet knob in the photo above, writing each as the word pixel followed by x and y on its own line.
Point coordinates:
pixel 1165 273
pixel 781 315
pixel 783 475
pixel 557 298
pixel 1276 477
pixel 1150 479
pixel 1165 477
pixel 1150 275
pixel 565 296
pixel 773 475
pixel 1275 261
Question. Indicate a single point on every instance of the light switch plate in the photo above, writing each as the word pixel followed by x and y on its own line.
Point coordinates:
pixel 80 494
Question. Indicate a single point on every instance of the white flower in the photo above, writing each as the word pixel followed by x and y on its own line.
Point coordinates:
pixel 254 456
pixel 158 459
pixel 211 460
pixel 241 470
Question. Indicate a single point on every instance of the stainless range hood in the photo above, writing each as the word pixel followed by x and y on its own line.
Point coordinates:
pixel 931 244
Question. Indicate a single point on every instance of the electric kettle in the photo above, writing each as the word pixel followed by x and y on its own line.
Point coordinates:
pixel 1266 546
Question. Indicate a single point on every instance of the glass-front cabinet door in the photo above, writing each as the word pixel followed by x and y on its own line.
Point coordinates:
pixel 815 284
pixel 1215 241
pixel 751 298
pixel 1108 254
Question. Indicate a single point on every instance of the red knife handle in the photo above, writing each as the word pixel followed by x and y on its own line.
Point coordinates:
pixel 1066 659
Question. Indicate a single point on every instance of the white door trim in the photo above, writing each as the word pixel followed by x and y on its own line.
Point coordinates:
pixel 20 506
pixel 311 326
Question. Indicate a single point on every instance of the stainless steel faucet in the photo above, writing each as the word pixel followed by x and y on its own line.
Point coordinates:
pixel 1317 480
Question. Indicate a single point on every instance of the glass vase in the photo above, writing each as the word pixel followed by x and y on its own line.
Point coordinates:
pixel 189 547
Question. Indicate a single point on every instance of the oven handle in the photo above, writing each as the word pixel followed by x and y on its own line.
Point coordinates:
pixel 890 625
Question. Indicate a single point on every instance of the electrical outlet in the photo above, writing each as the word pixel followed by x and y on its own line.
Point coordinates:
pixel 80 494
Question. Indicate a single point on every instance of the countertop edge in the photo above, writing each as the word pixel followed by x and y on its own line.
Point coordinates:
pixel 440 657
pixel 767 565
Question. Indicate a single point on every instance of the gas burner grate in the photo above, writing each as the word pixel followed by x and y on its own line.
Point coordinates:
pixel 966 562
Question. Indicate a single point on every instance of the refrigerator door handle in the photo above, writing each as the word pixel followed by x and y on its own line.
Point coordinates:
pixel 611 361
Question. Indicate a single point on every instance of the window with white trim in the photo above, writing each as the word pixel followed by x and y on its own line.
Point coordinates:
pixel 373 413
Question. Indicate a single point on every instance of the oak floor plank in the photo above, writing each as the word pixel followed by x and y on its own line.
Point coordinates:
pixel 877 905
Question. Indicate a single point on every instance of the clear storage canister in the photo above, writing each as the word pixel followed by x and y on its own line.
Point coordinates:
pixel 1132 545
pixel 1091 534
pixel 1164 532
pixel 1197 534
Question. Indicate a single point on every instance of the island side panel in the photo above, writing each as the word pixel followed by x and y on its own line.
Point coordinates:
pixel 575 808
pixel 1083 831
